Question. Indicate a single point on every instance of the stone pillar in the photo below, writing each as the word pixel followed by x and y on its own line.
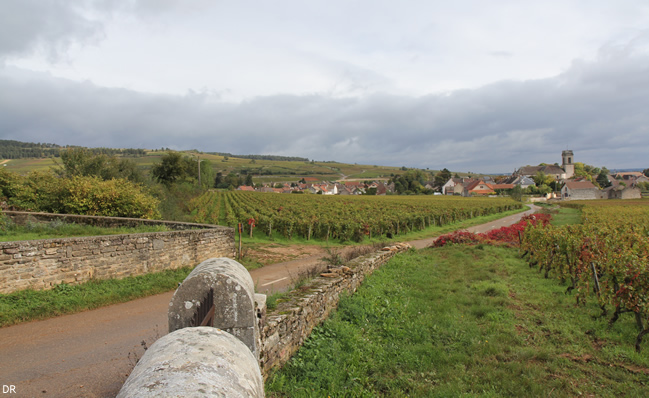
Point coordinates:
pixel 195 362
pixel 234 300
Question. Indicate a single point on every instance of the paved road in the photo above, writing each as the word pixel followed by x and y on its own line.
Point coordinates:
pixel 91 353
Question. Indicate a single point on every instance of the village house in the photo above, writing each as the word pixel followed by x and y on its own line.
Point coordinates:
pixel 448 188
pixel 580 190
pixel 621 192
pixel 477 188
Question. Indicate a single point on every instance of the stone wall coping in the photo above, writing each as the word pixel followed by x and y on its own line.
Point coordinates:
pixel 115 219
pixel 82 239
pixel 294 301
pixel 186 228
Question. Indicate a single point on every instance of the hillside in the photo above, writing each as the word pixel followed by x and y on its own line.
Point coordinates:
pixel 25 157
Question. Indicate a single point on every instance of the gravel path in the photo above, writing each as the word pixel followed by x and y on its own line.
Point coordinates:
pixel 90 354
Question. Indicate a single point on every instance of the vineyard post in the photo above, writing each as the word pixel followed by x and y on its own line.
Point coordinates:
pixel 251 223
pixel 592 265
pixel 240 230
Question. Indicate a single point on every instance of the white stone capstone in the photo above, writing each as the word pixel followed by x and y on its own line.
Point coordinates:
pixel 234 299
pixel 195 362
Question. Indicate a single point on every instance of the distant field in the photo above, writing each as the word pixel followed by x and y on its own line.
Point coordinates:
pixel 262 170
pixel 24 166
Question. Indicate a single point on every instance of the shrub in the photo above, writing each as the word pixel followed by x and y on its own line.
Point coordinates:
pixel 505 235
pixel 112 198
pixel 90 195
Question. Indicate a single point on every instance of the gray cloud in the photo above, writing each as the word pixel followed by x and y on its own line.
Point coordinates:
pixel 47 25
pixel 596 108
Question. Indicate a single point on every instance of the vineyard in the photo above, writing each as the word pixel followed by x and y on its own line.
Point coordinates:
pixel 342 218
pixel 606 258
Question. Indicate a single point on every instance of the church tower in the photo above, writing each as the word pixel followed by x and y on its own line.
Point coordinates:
pixel 568 163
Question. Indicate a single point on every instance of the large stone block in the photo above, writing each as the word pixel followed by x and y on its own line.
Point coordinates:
pixel 195 362
pixel 233 298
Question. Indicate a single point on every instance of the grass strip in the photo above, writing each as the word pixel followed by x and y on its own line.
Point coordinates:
pixel 566 216
pixel 28 305
pixel 464 321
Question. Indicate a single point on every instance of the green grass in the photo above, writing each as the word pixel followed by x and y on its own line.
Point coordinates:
pixel 55 229
pixel 28 305
pixel 464 321
pixel 566 216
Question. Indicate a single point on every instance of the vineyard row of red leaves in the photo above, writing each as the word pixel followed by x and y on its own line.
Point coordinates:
pixel 606 258
pixel 340 217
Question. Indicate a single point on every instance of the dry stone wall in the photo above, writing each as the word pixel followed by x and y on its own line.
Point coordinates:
pixel 43 264
pixel 285 329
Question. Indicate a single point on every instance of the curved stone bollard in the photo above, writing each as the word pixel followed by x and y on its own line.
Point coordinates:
pixel 234 300
pixel 195 362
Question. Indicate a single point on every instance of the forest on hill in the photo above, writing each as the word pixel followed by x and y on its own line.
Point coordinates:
pixel 10 149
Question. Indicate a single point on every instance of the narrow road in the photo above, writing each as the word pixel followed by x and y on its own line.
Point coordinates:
pixel 90 354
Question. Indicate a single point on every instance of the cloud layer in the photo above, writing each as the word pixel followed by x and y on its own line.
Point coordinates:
pixel 357 108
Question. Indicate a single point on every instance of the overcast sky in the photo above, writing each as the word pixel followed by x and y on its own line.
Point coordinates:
pixel 471 85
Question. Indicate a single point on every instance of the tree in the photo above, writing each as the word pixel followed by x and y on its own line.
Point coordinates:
pixel 83 162
pixel 411 182
pixel 602 178
pixel 249 180
pixel 544 189
pixel 218 180
pixel 232 181
pixel 171 168
pixel 542 179
pixel 207 173
pixel 645 172
pixel 517 193
pixel 442 177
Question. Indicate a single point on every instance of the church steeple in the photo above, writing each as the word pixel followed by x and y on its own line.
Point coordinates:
pixel 567 163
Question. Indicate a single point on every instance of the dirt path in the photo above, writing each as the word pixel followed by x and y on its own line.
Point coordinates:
pixel 91 353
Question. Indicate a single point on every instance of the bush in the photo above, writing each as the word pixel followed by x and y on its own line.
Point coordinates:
pixel 44 191
pixel 112 198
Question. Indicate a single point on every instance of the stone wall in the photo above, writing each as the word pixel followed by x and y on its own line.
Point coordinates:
pixel 43 264
pixel 286 328
pixel 24 217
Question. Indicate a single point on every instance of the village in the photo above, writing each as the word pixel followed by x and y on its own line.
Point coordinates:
pixel 544 181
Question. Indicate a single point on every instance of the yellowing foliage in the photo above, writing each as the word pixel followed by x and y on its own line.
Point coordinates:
pixel 44 191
